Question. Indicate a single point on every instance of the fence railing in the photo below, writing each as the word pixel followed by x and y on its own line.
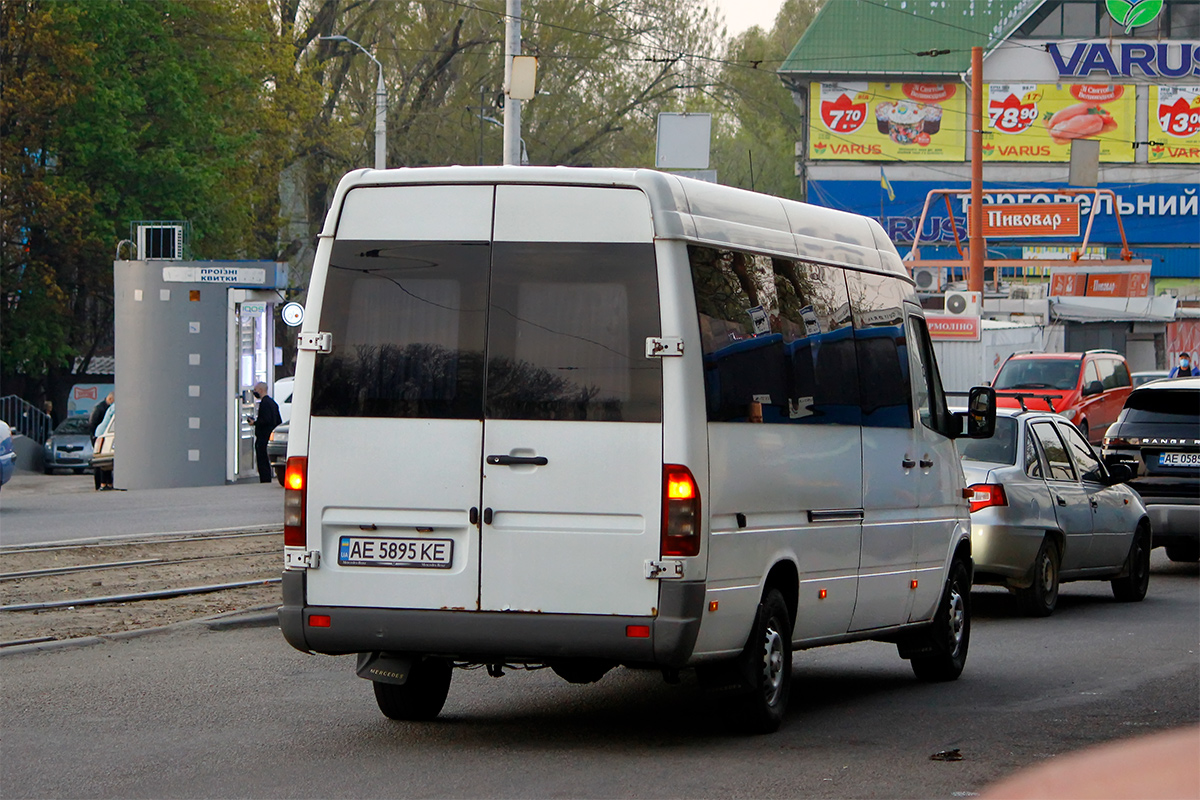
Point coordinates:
pixel 26 419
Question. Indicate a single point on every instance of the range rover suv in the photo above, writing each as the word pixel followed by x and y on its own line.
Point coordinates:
pixel 1158 436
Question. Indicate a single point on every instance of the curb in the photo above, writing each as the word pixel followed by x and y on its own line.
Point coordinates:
pixel 256 617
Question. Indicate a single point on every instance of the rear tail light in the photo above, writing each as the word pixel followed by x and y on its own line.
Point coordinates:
pixel 681 512
pixel 985 495
pixel 295 494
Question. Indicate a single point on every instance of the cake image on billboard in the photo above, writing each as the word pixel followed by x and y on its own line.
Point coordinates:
pixel 904 121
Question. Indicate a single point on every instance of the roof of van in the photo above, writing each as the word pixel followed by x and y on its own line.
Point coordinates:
pixel 685 208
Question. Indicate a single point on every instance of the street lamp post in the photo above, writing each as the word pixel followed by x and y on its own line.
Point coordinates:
pixel 380 103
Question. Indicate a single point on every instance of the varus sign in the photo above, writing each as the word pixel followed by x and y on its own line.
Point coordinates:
pixel 1126 59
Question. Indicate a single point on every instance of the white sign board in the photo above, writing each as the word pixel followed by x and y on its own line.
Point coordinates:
pixel 246 276
pixel 683 141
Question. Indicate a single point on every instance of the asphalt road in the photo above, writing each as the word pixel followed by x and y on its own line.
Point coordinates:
pixel 238 713
pixel 39 509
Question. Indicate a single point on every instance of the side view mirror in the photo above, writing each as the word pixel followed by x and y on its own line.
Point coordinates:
pixel 1095 387
pixel 1119 472
pixel 979 420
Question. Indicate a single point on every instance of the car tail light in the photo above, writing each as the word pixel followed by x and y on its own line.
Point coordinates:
pixel 1121 441
pixel 681 512
pixel 985 495
pixel 295 495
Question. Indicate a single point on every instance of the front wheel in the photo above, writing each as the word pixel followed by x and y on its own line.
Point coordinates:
pixel 1041 598
pixel 419 698
pixel 950 632
pixel 766 664
pixel 1131 588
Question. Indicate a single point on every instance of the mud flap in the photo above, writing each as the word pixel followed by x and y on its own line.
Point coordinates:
pixel 385 667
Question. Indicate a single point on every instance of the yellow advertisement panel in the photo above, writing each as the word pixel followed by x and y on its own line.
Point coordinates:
pixel 859 121
pixel 1038 122
pixel 1175 124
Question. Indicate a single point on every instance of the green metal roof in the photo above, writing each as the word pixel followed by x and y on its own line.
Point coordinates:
pixel 882 37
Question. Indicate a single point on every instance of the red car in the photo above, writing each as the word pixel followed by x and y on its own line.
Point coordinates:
pixel 1087 388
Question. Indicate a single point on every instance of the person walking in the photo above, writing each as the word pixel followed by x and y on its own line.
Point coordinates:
pixel 268 417
pixel 1185 368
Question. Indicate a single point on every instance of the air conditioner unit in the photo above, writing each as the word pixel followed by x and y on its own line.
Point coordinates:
pixel 964 304
pixel 927 278
pixel 156 242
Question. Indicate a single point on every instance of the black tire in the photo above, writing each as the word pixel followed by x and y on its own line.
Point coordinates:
pixel 950 633
pixel 280 472
pixel 419 698
pixel 1189 551
pixel 1131 587
pixel 1041 598
pixel 766 666
pixel 1083 428
pixel 48 470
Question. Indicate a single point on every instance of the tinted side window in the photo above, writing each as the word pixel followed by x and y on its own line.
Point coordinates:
pixel 1055 451
pixel 776 337
pixel 407 320
pixel 1033 464
pixel 1090 373
pixel 1108 373
pixel 1085 459
pixel 567 330
pixel 877 306
pixel 931 401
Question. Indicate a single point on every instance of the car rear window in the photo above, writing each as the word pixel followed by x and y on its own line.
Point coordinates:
pixel 1163 406
pixel 1037 373
pixel 1001 448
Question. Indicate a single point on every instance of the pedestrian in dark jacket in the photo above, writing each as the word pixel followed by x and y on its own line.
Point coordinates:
pixel 268 417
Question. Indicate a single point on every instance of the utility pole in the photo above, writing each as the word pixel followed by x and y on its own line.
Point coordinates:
pixel 512 106
pixel 380 102
pixel 975 241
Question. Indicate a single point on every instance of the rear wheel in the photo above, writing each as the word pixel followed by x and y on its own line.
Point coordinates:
pixel 950 633
pixel 1083 428
pixel 1041 598
pixel 280 471
pixel 766 664
pixel 419 698
pixel 1132 587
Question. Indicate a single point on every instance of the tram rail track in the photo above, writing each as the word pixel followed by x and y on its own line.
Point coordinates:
pixel 97 587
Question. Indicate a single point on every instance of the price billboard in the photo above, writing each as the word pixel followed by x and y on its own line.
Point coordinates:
pixel 859 121
pixel 1038 122
pixel 1175 124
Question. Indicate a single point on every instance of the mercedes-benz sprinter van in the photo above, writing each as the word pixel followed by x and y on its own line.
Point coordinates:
pixel 590 417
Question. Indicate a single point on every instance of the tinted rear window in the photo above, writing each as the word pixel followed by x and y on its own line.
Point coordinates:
pixel 1001 448
pixel 562 328
pixel 1178 406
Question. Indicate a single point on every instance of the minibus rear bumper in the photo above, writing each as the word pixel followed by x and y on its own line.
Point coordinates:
pixel 665 640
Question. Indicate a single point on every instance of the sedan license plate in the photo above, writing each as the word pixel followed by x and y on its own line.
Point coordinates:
pixel 1179 459
pixel 373 551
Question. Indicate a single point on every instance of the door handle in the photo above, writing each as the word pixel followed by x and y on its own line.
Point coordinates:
pixel 474 516
pixel 908 463
pixel 926 463
pixel 487 516
pixel 512 461
pixel 1060 500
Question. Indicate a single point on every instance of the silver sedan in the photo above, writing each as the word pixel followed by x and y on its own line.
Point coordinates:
pixel 1045 510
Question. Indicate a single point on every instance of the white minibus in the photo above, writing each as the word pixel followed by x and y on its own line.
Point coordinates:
pixel 588 418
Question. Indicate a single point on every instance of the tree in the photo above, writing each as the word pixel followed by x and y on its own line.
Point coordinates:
pixel 112 112
pixel 758 121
